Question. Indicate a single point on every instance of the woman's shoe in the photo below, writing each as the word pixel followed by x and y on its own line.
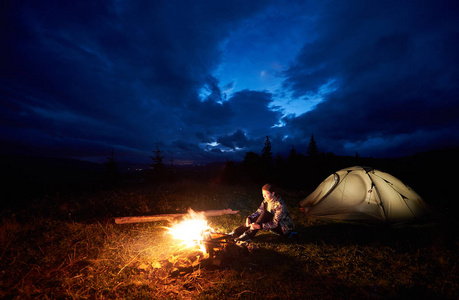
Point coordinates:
pixel 245 237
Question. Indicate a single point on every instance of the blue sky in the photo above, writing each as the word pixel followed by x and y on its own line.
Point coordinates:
pixel 209 80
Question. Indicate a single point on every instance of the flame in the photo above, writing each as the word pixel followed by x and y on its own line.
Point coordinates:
pixel 191 231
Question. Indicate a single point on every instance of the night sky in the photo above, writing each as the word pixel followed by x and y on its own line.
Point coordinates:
pixel 209 80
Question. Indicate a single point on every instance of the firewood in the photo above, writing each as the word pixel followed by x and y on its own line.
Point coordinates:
pixel 170 217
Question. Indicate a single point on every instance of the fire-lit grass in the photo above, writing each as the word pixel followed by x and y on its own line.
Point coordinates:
pixel 46 257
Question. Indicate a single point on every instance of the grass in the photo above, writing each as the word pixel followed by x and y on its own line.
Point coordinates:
pixel 67 247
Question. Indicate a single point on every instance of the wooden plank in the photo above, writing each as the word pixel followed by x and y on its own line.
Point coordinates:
pixel 170 217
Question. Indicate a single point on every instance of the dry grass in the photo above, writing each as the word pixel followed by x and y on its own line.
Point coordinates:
pixel 56 256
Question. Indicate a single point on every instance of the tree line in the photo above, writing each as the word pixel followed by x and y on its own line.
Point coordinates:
pixel 296 169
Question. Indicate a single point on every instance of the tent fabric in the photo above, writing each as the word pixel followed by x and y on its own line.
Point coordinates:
pixel 365 194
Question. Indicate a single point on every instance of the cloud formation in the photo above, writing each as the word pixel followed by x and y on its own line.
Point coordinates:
pixel 209 80
pixel 392 72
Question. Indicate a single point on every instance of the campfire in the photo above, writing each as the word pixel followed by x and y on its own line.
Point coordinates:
pixel 191 231
pixel 196 244
pixel 195 233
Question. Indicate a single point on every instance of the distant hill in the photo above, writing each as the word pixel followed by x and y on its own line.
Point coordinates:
pixel 26 177
pixel 40 169
pixel 431 174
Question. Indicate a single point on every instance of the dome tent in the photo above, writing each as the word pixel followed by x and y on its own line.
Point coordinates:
pixel 365 194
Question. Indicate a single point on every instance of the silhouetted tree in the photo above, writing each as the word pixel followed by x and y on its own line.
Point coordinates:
pixel 267 170
pixel 292 156
pixel 266 154
pixel 157 158
pixel 279 162
pixel 251 159
pixel 252 165
pixel 296 171
pixel 230 172
pixel 312 150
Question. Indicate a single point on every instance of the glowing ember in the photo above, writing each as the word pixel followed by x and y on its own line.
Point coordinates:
pixel 191 231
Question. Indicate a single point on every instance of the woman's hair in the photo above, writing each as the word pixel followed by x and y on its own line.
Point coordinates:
pixel 269 187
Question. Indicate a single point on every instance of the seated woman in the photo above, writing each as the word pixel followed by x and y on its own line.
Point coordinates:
pixel 271 215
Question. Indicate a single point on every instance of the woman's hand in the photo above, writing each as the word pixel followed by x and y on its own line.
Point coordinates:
pixel 248 222
pixel 255 226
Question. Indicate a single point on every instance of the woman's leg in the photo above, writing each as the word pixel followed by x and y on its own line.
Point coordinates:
pixel 263 218
pixel 240 230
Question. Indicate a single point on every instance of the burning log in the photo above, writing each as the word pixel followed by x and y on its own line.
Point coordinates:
pixel 196 244
pixel 170 217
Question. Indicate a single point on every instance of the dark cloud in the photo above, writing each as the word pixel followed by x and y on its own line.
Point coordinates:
pixel 113 71
pixel 252 112
pixel 235 140
pixel 80 79
pixel 393 70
